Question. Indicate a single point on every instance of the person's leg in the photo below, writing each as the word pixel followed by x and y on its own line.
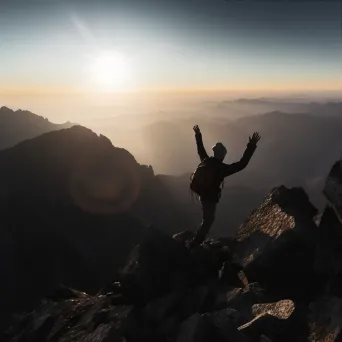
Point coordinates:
pixel 208 212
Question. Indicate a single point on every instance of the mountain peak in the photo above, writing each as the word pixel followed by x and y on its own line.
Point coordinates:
pixel 17 126
pixel 6 109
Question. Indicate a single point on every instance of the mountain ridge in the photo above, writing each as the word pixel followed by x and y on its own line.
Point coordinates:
pixel 19 125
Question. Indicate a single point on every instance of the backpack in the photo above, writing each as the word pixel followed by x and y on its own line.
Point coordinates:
pixel 204 180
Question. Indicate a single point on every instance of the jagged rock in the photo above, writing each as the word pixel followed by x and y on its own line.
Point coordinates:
pixel 333 188
pixel 329 255
pixel 63 293
pixel 329 252
pixel 224 243
pixel 168 293
pixel 225 325
pixel 209 258
pixel 276 244
pixel 229 274
pixel 227 314
pixel 274 321
pixel 282 309
pixel 240 299
pixel 158 265
pixel 158 320
pixel 261 325
pixel 193 301
pixel 184 236
pixel 86 318
pixel 218 327
pixel 193 329
pixel 325 319
pixel 156 310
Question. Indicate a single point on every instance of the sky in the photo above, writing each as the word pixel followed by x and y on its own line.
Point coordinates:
pixel 55 46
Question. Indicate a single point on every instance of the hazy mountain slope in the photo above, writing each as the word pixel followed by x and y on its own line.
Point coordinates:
pixel 16 126
pixel 69 203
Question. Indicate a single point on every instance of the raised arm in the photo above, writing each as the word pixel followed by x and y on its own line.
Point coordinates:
pixel 199 142
pixel 243 162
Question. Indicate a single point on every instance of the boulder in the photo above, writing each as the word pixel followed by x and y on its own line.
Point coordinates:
pixel 157 266
pixel 240 299
pixel 325 319
pixel 191 330
pixel 85 318
pixel 333 188
pixel 280 321
pixel 276 244
pixel 329 250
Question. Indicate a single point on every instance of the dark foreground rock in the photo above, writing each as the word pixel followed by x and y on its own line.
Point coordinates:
pixel 277 280
pixel 277 243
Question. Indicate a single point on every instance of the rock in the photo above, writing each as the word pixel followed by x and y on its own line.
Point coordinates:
pixel 82 319
pixel 333 188
pixel 329 252
pixel 272 320
pixel 184 236
pixel 224 291
pixel 229 274
pixel 208 260
pixel 276 244
pixel 239 299
pixel 158 265
pixel 63 293
pixel 227 314
pixel 261 325
pixel 193 301
pixel 168 329
pixel 325 319
pixel 225 324
pixel 156 310
pixel 282 309
pixel 193 329
pixel 329 256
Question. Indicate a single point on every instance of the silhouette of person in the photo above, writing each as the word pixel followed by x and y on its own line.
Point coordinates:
pixel 212 196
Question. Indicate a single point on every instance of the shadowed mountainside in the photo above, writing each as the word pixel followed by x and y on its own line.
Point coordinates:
pixel 72 206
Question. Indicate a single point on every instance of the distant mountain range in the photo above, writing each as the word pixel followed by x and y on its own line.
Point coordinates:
pixel 246 107
pixel 296 149
pixel 16 126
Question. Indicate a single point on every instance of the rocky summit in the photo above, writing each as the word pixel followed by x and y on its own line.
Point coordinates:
pixel 279 279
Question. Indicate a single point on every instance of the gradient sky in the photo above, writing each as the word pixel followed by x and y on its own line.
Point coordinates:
pixel 48 45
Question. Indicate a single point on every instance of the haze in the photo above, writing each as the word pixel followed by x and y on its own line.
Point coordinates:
pixel 148 46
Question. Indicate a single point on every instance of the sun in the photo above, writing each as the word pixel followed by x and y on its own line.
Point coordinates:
pixel 111 71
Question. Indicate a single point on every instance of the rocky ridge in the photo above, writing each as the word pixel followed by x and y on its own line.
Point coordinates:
pixel 279 279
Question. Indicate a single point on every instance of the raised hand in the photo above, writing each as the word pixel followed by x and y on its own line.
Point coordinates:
pixel 255 138
pixel 197 129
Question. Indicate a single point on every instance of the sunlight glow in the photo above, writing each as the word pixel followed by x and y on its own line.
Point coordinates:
pixel 111 71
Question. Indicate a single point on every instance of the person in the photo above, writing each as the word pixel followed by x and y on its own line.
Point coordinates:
pixel 212 193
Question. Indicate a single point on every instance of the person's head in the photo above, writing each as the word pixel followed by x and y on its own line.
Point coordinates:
pixel 219 151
